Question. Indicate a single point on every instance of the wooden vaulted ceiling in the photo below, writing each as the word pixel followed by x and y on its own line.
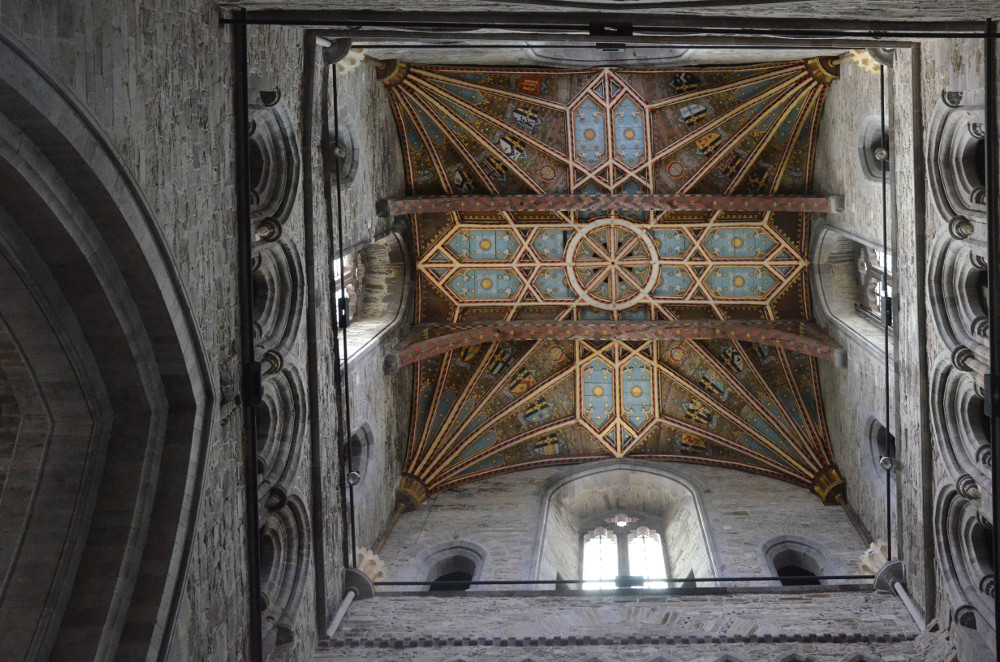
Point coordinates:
pixel 538 398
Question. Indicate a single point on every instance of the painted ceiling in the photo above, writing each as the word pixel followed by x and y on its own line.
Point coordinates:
pixel 502 406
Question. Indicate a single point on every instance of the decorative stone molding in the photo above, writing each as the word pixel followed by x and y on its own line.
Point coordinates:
pixel 410 494
pixel 967 487
pixel 341 148
pixel 267 230
pixel 959 427
pixel 280 426
pixel 371 564
pixel 278 295
pixel 870 141
pixel 955 150
pixel 284 553
pixel 874 558
pixel 961 536
pixel 558 56
pixel 956 288
pixel 274 163
pixel 828 483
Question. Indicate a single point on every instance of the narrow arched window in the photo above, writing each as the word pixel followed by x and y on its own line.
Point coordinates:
pixel 874 285
pixel 629 549
pixel 349 282
pixel 645 556
pixel 600 559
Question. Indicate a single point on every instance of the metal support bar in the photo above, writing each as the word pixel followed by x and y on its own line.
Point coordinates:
pixel 993 262
pixel 688 580
pixel 341 612
pixel 607 202
pixel 251 369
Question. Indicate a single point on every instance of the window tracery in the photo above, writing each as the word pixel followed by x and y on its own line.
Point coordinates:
pixel 629 549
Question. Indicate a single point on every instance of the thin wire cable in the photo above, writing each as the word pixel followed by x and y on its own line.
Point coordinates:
pixel 886 313
pixel 343 318
pixel 530 582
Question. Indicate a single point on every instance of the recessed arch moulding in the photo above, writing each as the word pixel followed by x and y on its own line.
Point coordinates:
pixel 586 497
pixel 91 299
pixel 512 402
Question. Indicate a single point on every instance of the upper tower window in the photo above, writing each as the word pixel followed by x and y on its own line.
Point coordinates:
pixel 629 549
pixel 875 285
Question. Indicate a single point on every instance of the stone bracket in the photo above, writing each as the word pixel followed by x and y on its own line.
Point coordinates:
pixel 359 582
pixel 890 573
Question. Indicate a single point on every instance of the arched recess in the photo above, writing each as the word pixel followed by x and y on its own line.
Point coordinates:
pixel 578 497
pixel 274 164
pixel 280 422
pixel 960 428
pixel 386 266
pixel 956 286
pixel 963 540
pixel 90 283
pixel 956 162
pixel 278 295
pixel 446 557
pixel 836 289
pixel 790 551
pixel 284 561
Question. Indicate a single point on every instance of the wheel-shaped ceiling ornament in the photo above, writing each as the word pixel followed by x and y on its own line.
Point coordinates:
pixel 613 263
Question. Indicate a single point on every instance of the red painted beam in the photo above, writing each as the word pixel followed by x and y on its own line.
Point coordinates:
pixel 608 202
pixel 427 341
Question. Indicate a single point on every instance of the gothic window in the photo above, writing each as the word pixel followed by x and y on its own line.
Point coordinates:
pixel 850 295
pixel 453 569
pixel 375 281
pixel 349 282
pixel 795 562
pixel 874 285
pixel 629 549
pixel 358 447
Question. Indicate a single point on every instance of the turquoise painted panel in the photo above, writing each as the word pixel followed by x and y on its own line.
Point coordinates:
pixel 487 464
pixel 479 446
pixel 789 403
pixel 738 243
pixel 554 284
pixel 551 244
pixel 472 96
pixel 636 313
pixel 598 393
pixel 589 137
pixel 672 282
pixel 629 131
pixel 740 282
pixel 488 284
pixel 431 128
pixel 487 245
pixel 670 243
pixel 637 393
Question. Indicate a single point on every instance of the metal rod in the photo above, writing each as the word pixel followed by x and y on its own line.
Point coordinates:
pixel 635 42
pixel 908 603
pixel 346 314
pixel 648 22
pixel 993 272
pixel 244 234
pixel 515 582
pixel 341 612
pixel 437 204
pixel 338 382
pixel 886 312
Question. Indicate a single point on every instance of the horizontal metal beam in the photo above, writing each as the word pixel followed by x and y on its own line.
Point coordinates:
pixel 440 204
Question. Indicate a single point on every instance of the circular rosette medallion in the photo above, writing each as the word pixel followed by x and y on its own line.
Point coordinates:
pixel 613 263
